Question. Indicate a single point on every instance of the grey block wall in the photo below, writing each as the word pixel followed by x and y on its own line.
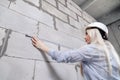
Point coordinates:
pixel 58 23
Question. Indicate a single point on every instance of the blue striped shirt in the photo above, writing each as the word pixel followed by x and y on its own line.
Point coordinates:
pixel 93 62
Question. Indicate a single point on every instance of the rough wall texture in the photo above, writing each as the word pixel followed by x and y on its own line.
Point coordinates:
pixel 59 23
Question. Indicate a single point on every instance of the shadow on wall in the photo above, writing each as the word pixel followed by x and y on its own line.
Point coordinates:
pixel 4 42
pixel 52 71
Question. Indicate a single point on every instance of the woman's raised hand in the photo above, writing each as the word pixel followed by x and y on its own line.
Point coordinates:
pixel 39 44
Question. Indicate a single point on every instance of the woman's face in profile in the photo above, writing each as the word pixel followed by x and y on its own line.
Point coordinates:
pixel 87 38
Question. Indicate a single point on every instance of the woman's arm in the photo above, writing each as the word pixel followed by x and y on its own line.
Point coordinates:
pixel 39 44
pixel 64 56
pixel 59 56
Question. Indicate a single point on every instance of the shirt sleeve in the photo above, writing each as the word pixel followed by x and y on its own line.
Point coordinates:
pixel 76 55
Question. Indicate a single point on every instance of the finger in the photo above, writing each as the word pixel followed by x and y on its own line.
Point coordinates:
pixel 33 40
pixel 34 44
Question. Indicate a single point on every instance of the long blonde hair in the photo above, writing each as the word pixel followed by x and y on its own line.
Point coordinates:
pixel 96 38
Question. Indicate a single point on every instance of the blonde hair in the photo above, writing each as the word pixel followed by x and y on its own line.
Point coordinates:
pixel 96 38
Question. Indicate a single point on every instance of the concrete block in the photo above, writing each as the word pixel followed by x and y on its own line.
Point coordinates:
pixel 54 11
pixel 16 69
pixel 82 21
pixel 74 5
pixel 4 3
pixel 85 23
pixel 58 37
pixel 21 46
pixel 87 17
pixel 53 2
pixel 54 71
pixel 75 23
pixel 78 12
pixel 62 1
pixel 12 20
pixel 31 9
pixel 66 28
pixel 67 11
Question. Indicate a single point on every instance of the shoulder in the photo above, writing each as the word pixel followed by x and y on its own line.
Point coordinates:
pixel 89 46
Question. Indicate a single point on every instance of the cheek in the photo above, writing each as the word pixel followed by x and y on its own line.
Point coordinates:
pixel 88 41
pixel 87 38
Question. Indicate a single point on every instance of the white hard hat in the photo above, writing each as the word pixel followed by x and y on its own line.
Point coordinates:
pixel 99 25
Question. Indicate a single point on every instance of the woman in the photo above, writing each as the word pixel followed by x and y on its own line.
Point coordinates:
pixel 99 58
